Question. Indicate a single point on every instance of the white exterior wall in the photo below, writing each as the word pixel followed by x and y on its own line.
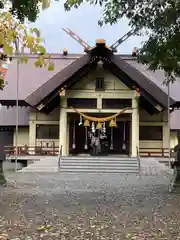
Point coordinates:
pixel 151 120
pixel 174 140
pixel 23 136
pixel 37 118
pixel 111 82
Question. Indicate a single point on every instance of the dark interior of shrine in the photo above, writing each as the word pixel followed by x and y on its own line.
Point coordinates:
pixel 113 140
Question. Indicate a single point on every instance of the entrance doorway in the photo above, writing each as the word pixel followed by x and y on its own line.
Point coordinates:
pixel 117 140
pixel 77 138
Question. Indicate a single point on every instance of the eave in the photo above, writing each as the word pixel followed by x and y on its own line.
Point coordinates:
pixel 12 103
pixel 47 93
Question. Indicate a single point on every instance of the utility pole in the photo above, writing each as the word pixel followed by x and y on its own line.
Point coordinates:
pixel 17 103
pixel 169 127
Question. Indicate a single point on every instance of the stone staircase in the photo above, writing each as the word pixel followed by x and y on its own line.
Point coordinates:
pixel 85 164
pixel 43 164
pixel 89 164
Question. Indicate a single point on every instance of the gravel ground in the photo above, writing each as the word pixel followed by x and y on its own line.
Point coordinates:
pixel 88 206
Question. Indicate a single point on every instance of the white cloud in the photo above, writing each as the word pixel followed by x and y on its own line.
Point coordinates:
pixel 83 21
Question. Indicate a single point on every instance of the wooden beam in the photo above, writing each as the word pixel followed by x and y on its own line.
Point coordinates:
pixel 124 94
pixel 112 111
pixel 40 106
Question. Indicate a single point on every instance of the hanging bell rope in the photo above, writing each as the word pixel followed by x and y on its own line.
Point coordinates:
pixel 99 125
pixel 101 119
pixel 112 123
pixel 74 135
pixel 86 123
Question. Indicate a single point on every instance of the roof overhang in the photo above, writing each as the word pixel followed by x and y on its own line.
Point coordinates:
pixel 47 96
pixel 176 105
pixel 11 103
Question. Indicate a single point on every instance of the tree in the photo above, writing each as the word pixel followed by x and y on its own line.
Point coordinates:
pixel 25 9
pixel 16 39
pixel 161 19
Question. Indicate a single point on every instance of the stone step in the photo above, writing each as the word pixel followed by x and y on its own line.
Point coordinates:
pixel 85 167
pixel 44 164
pixel 81 168
pixel 47 161
pixel 79 171
pixel 74 164
pixel 39 170
pixel 41 166
pixel 98 170
pixel 72 170
pixel 97 161
pixel 75 158
pixel 97 164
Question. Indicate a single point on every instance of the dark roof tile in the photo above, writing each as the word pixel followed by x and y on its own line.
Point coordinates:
pixel 142 80
pixel 8 116
pixel 158 78
pixel 55 80
pixel 30 77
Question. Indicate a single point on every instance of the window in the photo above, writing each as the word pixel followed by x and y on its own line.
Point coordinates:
pixel 116 103
pixel 150 133
pixel 82 103
pixel 47 131
pixel 99 83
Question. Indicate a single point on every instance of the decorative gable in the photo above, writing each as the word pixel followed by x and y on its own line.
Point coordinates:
pixel 111 82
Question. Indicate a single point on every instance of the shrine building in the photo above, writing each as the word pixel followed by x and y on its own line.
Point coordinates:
pixel 100 92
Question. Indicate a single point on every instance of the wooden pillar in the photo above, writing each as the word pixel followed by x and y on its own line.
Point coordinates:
pixel 32 136
pixel 165 135
pixel 135 127
pixel 67 144
pixel 63 126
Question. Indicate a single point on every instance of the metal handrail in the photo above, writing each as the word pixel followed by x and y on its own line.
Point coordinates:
pixel 60 156
pixel 138 159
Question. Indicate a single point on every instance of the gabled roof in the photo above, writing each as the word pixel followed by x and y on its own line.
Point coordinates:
pixel 30 77
pixel 58 79
pixel 122 69
pixel 8 116
pixel 157 77
pixel 148 87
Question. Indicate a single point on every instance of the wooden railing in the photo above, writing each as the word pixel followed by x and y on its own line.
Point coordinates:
pixel 59 157
pixel 32 150
pixel 154 152
pixel 138 158
pixel 55 151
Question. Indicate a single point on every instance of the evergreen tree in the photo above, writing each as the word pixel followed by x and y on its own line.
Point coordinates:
pixel 161 19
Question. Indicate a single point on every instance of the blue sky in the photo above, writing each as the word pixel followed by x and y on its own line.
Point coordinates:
pixel 83 21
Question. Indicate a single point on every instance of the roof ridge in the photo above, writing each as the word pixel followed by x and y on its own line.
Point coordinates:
pixel 53 56
pixel 69 56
